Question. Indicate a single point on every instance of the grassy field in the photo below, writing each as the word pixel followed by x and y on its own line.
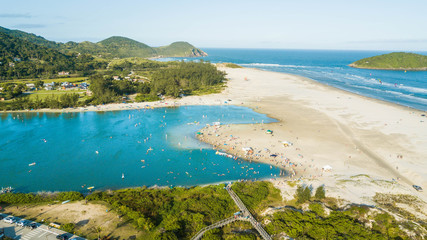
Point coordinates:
pixel 42 94
pixel 57 80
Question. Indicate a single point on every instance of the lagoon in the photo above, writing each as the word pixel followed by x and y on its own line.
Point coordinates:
pixel 73 151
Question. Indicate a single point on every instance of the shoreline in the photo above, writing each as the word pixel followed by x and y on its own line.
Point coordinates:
pixel 191 100
pixel 354 134
pixel 361 135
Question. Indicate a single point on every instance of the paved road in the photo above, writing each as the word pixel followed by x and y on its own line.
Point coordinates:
pixel 42 232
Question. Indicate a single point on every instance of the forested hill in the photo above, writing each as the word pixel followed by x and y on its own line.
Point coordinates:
pixel 19 58
pixel 23 59
pixel 120 47
pixel 393 61
pixel 178 49
pixel 113 47
pixel 31 38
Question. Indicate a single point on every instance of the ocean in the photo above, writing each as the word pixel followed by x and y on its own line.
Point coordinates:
pixel 74 151
pixel 331 67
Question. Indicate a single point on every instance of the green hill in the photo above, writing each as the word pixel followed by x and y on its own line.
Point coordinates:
pixel 393 61
pixel 122 47
pixel 113 47
pixel 178 49
pixel 30 37
pixel 20 58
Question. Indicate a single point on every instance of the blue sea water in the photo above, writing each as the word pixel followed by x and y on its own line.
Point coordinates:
pixel 331 67
pixel 73 151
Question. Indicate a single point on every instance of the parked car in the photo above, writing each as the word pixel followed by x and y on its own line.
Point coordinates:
pixel 21 223
pixel 32 226
pixel 9 219
pixel 418 188
pixel 62 236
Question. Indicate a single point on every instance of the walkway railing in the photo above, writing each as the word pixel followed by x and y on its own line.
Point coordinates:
pixel 246 216
pixel 216 225
pixel 246 212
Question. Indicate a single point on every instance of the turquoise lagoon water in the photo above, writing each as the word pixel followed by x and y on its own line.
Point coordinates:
pixel 73 151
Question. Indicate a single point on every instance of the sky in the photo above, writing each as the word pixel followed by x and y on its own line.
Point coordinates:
pixel 283 24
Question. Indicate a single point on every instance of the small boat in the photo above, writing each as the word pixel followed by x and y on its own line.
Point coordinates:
pixel 123 175
pixel 32 164
pixel 6 190
pixel 90 188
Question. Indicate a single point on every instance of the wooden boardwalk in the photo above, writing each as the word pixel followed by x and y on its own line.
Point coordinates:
pixel 245 216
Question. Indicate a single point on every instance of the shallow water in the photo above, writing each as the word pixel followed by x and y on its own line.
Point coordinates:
pixel 73 151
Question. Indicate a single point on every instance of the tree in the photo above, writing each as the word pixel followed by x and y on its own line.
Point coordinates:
pixel 303 194
pixel 320 193
pixel 38 84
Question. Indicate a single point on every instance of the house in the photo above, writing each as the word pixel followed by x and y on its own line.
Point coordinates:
pixel 83 85
pixel 16 59
pixel 11 64
pixel 116 78
pixel 30 86
pixel 89 92
pixel 63 73
pixel 49 86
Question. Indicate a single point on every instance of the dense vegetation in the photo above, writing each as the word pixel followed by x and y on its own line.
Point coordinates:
pixel 163 79
pixel 179 213
pixel 255 195
pixel 170 213
pixel 394 61
pixel 186 77
pixel 31 38
pixel 52 101
pixel 22 59
pixel 33 58
pixel 309 225
pixel 19 198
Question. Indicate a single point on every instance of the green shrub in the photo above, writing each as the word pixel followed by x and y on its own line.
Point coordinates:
pixel 146 98
pixel 317 208
pixel 68 227
pixel 72 196
pixel 232 65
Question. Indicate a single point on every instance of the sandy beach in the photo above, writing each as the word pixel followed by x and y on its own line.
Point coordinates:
pixel 353 135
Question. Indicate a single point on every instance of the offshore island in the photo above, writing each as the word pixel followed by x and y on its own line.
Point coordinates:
pixel 350 161
pixel 394 61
